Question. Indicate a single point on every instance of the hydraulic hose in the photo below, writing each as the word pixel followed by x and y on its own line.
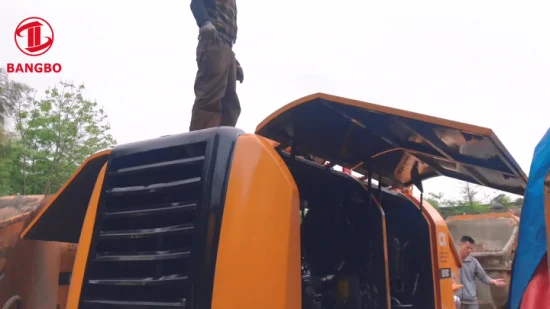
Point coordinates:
pixel 17 300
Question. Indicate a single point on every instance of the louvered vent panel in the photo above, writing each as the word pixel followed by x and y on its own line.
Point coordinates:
pixel 141 249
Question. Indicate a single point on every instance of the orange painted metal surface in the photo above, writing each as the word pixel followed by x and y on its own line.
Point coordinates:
pixel 444 254
pixel 32 273
pixel 378 108
pixel 15 213
pixel 31 269
pixel 262 202
pixel 84 243
pixel 9 236
pixel 258 263
pixel 68 254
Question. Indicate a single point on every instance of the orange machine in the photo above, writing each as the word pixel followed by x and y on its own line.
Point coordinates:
pixel 40 282
pixel 217 218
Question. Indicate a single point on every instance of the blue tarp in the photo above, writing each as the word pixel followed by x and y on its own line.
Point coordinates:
pixel 532 228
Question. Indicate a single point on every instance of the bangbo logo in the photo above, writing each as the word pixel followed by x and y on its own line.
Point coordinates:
pixel 35 29
pixel 34 37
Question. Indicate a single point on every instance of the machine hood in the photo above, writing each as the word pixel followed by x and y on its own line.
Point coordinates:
pixel 401 148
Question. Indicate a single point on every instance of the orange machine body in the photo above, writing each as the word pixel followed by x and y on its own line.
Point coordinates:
pixel 34 274
pixel 220 219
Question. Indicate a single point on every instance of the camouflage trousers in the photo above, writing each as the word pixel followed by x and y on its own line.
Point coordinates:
pixel 216 100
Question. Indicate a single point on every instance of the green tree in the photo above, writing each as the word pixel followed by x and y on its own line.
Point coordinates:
pixel 502 199
pixel 518 202
pixel 11 93
pixel 8 155
pixel 55 134
pixel 438 200
pixel 470 194
pixel 435 199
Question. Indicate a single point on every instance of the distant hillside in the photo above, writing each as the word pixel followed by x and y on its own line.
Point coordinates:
pixel 478 209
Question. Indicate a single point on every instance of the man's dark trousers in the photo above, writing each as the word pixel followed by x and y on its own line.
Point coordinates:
pixel 216 100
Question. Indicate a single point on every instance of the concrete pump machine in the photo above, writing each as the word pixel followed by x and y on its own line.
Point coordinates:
pixel 222 219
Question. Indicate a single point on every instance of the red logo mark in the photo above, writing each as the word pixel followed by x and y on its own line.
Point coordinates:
pixel 34 36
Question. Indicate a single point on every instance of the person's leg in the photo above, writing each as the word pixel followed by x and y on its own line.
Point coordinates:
pixel 231 107
pixel 214 61
pixel 465 306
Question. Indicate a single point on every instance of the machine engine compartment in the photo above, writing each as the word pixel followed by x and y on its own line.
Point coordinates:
pixel 343 240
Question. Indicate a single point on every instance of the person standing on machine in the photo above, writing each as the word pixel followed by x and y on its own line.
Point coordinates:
pixel 216 101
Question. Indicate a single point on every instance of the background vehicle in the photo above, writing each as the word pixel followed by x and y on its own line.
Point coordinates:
pixel 14 214
pixel 211 218
pixel 496 239
pixel 34 274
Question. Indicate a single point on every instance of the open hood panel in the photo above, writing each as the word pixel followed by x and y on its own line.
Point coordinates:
pixel 403 148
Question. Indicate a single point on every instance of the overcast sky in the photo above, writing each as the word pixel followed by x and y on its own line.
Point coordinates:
pixel 481 62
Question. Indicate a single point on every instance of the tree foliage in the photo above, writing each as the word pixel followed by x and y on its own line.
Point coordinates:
pixel 470 202
pixel 7 157
pixel 11 93
pixel 470 193
pixel 53 135
pixel 502 199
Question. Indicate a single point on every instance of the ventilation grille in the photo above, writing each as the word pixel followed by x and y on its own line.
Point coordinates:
pixel 141 248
